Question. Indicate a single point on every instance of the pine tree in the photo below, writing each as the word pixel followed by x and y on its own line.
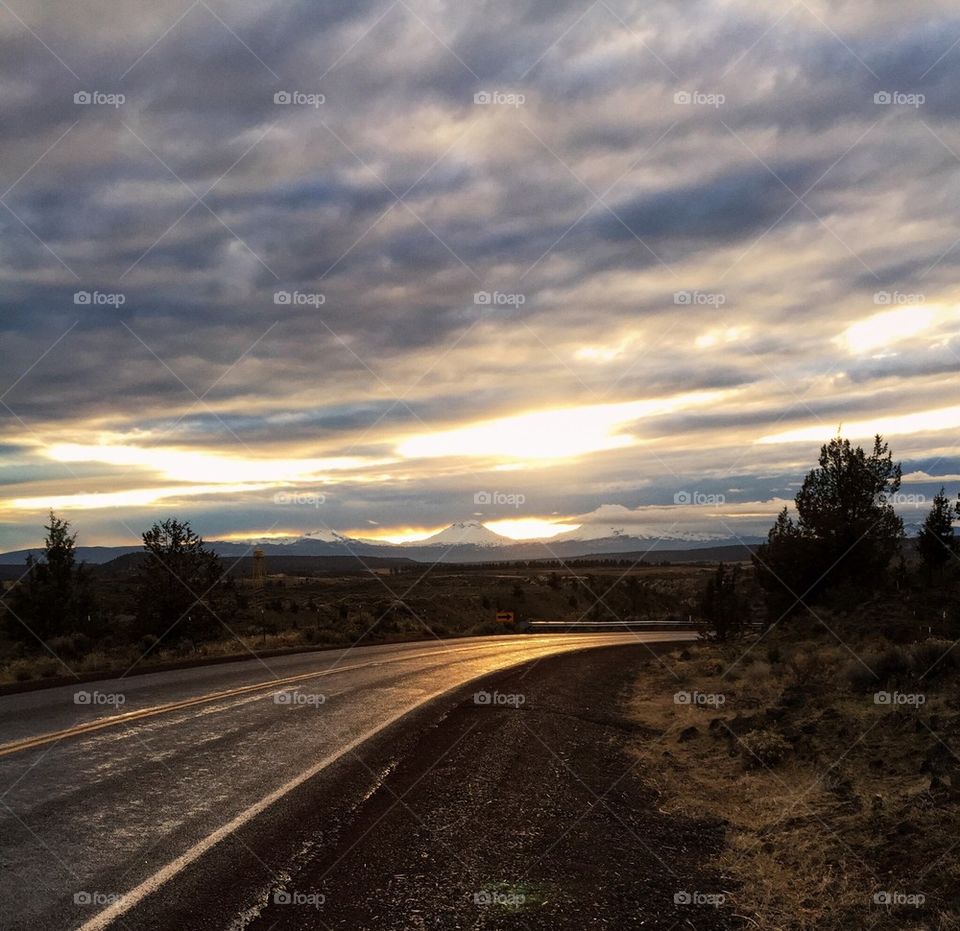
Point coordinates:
pixel 179 583
pixel 55 597
pixel 846 528
pixel 936 542
pixel 723 608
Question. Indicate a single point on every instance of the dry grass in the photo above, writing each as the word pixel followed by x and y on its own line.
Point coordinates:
pixel 828 797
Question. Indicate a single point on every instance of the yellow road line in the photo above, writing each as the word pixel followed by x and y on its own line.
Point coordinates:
pixel 77 730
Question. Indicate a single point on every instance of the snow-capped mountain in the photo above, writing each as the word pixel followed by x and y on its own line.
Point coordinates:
pixel 611 522
pixel 325 536
pixel 464 533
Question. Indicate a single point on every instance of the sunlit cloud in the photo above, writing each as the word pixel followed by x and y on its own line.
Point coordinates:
pixel 601 355
pixel 721 336
pixel 186 466
pixel 887 328
pixel 945 418
pixel 137 497
pixel 566 433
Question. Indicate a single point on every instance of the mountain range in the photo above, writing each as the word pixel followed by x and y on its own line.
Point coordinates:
pixel 462 541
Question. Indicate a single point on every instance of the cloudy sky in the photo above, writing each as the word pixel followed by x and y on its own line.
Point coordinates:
pixel 279 267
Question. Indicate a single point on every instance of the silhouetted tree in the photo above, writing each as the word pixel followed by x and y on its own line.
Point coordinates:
pixel 846 527
pixel 936 542
pixel 178 584
pixel 722 607
pixel 55 596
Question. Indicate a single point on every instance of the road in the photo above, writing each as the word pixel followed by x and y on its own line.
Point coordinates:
pixel 109 790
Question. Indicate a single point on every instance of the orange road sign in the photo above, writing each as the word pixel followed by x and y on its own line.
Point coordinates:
pixel 504 617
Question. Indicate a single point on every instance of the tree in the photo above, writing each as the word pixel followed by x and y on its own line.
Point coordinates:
pixel 55 597
pixel 178 584
pixel 936 542
pixel 846 528
pixel 722 607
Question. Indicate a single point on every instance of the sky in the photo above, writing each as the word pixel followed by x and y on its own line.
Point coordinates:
pixel 378 266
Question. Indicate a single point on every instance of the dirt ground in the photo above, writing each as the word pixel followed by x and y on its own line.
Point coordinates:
pixel 834 768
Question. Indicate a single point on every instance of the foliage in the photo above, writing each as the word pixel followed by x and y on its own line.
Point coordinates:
pixel 936 542
pixel 55 597
pixel 178 584
pixel 846 528
pixel 722 607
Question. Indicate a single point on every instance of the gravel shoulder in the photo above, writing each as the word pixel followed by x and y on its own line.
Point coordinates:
pixel 514 803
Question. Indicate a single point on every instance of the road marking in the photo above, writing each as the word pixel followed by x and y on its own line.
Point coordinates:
pixel 77 730
pixel 152 883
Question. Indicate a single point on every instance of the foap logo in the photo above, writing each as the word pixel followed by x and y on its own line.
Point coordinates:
pixel 299 699
pixel 309 499
pixel 498 99
pixel 900 699
pixel 299 99
pixel 99 298
pixel 698 498
pixel 98 99
pixel 915 899
pixel 699 298
pixel 96 898
pixel 714 899
pixel 508 699
pixel 905 499
pixel 99 699
pixel 499 299
pixel 899 99
pixel 501 498
pixel 698 99
pixel 700 699
pixel 282 897
pixel 299 298
pixel 891 298
pixel 493 897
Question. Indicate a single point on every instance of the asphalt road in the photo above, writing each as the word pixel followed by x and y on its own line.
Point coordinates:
pixel 110 790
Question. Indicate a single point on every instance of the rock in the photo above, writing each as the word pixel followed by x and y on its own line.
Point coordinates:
pixel 792 697
pixel 688 733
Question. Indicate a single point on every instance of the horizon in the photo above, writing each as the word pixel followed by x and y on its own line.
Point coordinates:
pixel 911 506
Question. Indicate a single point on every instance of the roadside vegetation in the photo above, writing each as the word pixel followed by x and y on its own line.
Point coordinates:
pixel 827 745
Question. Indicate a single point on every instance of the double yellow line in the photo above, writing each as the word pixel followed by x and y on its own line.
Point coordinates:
pixel 100 724
pixel 78 730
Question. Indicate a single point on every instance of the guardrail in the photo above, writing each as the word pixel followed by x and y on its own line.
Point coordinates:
pixel 607 626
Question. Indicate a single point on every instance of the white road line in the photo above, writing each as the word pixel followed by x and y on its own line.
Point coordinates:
pixel 136 895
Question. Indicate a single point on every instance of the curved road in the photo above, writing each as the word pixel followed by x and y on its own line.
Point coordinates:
pixel 108 790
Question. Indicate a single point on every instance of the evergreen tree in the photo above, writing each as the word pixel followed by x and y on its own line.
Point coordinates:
pixel 723 608
pixel 846 528
pixel 179 584
pixel 936 542
pixel 55 597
